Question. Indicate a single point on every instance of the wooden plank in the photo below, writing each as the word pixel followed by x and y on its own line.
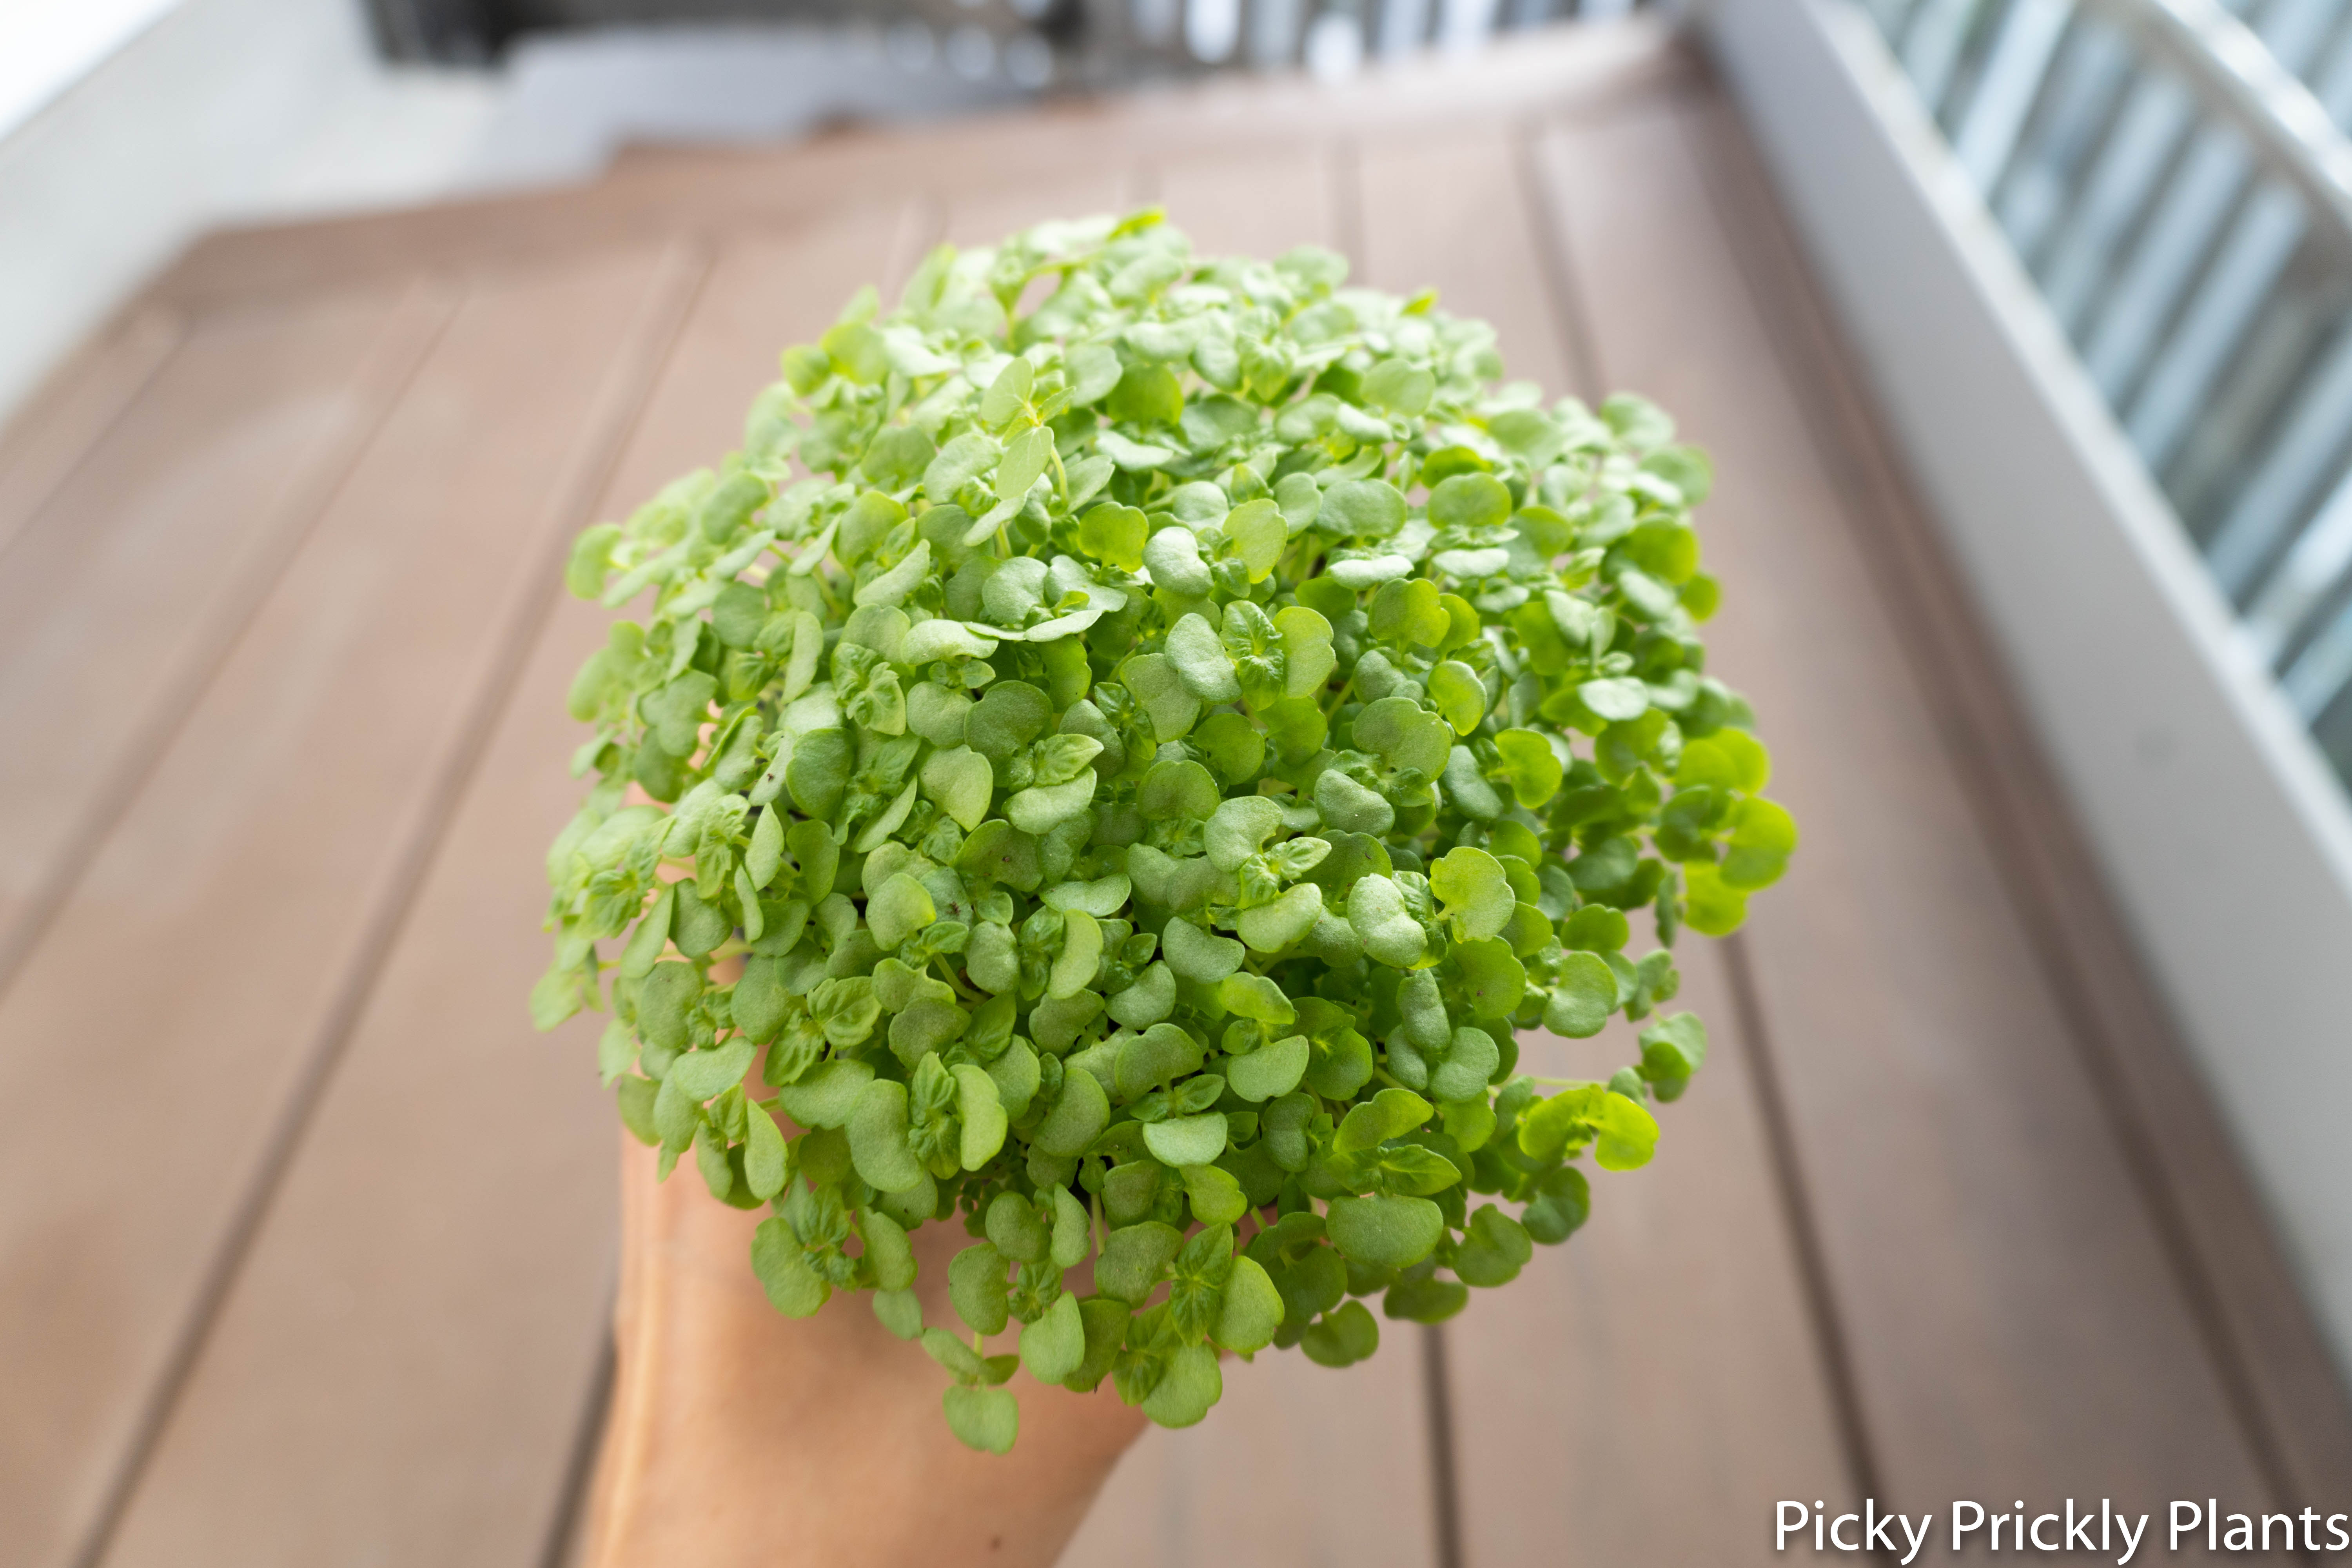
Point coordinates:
pixel 1297 1466
pixel 722 194
pixel 1649 1390
pixel 64 416
pixel 464 1237
pixel 766 293
pixel 1258 205
pixel 989 214
pixel 1450 208
pixel 119 598
pixel 2166 1121
pixel 265 861
pixel 2012 1320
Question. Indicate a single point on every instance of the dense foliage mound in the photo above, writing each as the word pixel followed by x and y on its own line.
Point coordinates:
pixel 1150 755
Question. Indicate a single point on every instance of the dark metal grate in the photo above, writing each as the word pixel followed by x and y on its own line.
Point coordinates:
pixel 1034 43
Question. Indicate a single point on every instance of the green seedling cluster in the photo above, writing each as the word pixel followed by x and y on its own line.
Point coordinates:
pixel 1149 756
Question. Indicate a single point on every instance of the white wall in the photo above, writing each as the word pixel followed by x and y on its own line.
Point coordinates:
pixel 230 110
pixel 223 109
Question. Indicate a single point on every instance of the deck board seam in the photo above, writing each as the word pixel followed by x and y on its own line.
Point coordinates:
pixel 1555 266
pixel 2011 812
pixel 677 281
pixel 1343 166
pixel 566 1521
pixel 1444 1465
pixel 1832 1341
pixel 920 225
pixel 143 317
pixel 1824 1318
pixel 919 228
pixel 1345 169
pixel 381 378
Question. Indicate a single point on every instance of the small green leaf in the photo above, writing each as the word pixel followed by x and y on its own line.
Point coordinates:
pixel 1470 502
pixel 1476 895
pixel 1617 699
pixel 1114 534
pixel 1238 829
pixel 1007 393
pixel 1673 1049
pixel 1399 386
pixel 1582 998
pixel 888 1250
pixel 1147 395
pixel 982 1115
pixel 1346 1337
pixel 763 1156
pixel 1135 1258
pixel 1530 765
pixel 1493 1250
pixel 1202 661
pixel 1026 457
pixel 1410 612
pixel 1215 1196
pixel 1175 791
pixel 1258 534
pixel 1079 1114
pixel 960 782
pixel 1189 1389
pixel 900 1312
pixel 1272 927
pixel 1234 749
pixel 1186 1139
pixel 777 1259
pixel 1387 1232
pixel 827 1094
pixel 701 1075
pixel 1252 1308
pixel 878 1138
pixel 1361 508
pixel 1429 1300
pixel 987 1419
pixel 977 1288
pixel 1628 1134
pixel 1493 980
pixel 898 909
pixel 1763 836
pixel 1376 910
pixel 1404 734
pixel 1270 1072
pixel 1563 1203
pixel 1053 1346
pixel 1460 696
pixel 1196 955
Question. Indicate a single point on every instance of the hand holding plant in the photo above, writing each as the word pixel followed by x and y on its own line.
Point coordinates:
pixel 1151 755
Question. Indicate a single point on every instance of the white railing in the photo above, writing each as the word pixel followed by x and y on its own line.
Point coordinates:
pixel 2087 253
pixel 2172 174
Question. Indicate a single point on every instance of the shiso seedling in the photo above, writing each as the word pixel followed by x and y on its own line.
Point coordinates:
pixel 1149 756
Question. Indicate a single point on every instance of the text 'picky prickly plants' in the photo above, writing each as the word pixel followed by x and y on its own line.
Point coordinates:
pixel 1121 776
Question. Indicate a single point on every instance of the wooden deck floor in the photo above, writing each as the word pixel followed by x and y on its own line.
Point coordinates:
pixel 307 1242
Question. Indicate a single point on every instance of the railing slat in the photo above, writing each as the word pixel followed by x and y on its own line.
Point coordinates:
pixel 2019 63
pixel 2173 175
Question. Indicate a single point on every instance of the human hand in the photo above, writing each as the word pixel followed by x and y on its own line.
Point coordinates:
pixel 739 1437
